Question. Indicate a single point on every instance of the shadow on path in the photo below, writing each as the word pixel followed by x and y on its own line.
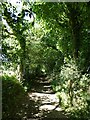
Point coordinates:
pixel 42 103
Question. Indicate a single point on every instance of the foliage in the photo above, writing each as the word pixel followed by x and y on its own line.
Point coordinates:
pixel 13 95
pixel 57 44
pixel 71 86
pixel 14 20
pixel 78 113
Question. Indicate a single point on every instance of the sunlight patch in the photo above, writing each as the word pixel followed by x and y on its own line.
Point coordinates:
pixel 49 107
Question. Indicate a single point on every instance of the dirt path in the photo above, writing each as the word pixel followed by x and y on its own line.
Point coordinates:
pixel 43 103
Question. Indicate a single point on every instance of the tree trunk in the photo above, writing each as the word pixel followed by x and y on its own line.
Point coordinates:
pixel 22 58
pixel 75 25
pixel 71 92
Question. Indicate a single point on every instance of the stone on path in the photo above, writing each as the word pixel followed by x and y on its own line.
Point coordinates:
pixel 47 102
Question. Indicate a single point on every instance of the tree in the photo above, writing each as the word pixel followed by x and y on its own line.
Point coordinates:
pixel 75 21
pixel 18 26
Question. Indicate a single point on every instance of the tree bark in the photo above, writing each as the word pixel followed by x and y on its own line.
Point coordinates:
pixel 75 25
pixel 22 58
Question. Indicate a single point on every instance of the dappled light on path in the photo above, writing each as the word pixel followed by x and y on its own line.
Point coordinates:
pixel 46 101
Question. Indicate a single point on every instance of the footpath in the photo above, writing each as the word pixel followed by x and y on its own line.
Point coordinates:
pixel 43 102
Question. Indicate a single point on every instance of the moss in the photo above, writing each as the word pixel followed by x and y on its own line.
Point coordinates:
pixel 13 96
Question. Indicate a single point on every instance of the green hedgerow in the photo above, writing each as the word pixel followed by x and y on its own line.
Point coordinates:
pixel 13 95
